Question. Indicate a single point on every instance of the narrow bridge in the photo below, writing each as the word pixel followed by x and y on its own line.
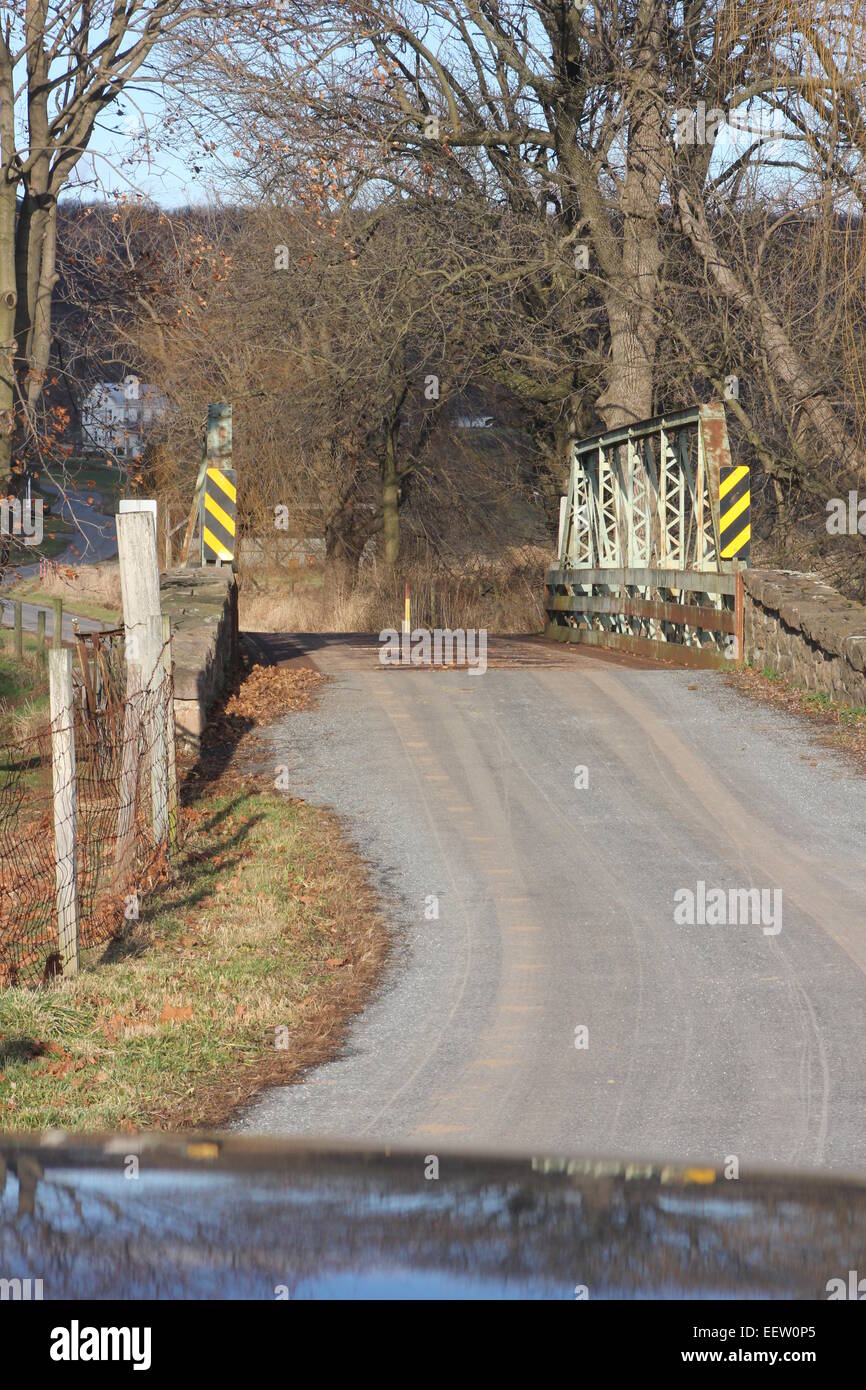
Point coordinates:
pixel 536 835
pixel 654 533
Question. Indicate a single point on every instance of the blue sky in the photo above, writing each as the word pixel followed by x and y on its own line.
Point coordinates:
pixel 121 160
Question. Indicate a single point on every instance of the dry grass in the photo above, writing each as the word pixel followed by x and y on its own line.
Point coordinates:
pixel 23 691
pixel 240 973
pixel 93 590
pixel 504 597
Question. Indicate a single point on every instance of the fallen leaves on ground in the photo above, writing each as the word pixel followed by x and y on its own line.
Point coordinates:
pixel 170 1014
pixel 268 691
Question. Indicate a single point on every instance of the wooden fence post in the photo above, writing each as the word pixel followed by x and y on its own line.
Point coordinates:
pixel 158 750
pixel 170 740
pixel 739 615
pixel 124 838
pixel 65 839
pixel 139 582
pixel 57 634
pixel 40 636
pixel 18 648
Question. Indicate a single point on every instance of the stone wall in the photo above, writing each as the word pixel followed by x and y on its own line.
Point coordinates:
pixel 202 605
pixel 798 626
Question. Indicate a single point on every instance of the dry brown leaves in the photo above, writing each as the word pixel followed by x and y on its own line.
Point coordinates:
pixel 269 691
pixel 172 1014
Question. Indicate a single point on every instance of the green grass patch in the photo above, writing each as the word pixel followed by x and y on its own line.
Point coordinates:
pixel 21 681
pixel 850 716
pixel 58 532
pixel 31 591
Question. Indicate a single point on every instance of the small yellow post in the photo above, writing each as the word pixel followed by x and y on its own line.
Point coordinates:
pixel 407 610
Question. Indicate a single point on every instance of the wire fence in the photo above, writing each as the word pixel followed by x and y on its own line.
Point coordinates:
pixel 87 810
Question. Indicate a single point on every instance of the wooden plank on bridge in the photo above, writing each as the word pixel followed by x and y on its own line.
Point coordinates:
pixel 692 581
pixel 675 652
pixel 710 619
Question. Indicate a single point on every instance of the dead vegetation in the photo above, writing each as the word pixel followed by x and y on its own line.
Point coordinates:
pixel 243 969
pixel 504 596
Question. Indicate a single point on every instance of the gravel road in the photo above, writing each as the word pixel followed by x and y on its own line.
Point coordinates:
pixel 556 913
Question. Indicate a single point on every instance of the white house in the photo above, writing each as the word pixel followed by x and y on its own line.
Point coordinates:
pixel 474 422
pixel 118 415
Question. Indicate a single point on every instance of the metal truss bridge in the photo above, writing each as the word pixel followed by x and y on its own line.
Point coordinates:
pixel 653 535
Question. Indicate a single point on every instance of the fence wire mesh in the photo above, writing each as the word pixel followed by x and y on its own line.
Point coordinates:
pixel 120 793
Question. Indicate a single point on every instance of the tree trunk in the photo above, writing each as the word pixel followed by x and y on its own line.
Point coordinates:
pixel 8 295
pixel 347 531
pixel 628 396
pixel 39 354
pixel 804 391
pixel 391 498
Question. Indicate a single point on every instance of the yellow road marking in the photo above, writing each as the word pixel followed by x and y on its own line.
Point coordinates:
pixel 222 517
pixel 702 1175
pixel 735 511
pixel 216 546
pixel 732 479
pixel 224 483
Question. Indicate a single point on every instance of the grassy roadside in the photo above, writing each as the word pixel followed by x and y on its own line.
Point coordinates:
pixel 32 591
pixel 23 687
pixel 240 972
pixel 840 726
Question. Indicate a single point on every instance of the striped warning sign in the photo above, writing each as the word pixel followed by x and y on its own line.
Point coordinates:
pixel 219 515
pixel 735 530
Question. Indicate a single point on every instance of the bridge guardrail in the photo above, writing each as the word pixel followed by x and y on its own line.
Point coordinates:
pixel 694 618
pixel 641 564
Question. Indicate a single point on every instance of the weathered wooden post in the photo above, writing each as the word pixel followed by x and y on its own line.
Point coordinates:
pixel 154 684
pixel 139 582
pixel 65 839
pixel 170 740
pixel 40 636
pixel 18 648
pixel 739 612
pixel 57 633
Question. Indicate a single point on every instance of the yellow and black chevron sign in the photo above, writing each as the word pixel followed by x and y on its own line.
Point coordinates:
pixel 219 515
pixel 735 530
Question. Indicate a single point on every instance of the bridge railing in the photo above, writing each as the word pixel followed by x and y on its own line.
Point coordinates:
pixel 640 563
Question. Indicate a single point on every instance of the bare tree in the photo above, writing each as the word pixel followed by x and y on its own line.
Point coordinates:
pixel 344 346
pixel 573 114
pixel 62 63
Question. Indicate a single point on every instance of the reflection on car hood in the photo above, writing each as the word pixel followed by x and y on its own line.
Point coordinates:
pixel 232 1217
